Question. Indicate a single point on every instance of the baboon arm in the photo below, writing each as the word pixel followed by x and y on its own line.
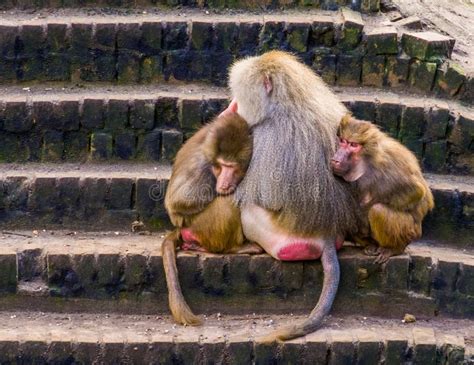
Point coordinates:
pixel 179 308
pixel 314 321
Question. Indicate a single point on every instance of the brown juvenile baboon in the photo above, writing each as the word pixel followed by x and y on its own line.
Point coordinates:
pixel 291 203
pixel 392 192
pixel 199 200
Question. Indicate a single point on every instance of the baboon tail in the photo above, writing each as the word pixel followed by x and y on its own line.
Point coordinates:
pixel 178 306
pixel 323 307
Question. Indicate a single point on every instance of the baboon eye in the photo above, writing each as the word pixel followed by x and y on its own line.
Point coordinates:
pixel 354 144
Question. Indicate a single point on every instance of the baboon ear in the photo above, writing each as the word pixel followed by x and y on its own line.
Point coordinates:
pixel 267 82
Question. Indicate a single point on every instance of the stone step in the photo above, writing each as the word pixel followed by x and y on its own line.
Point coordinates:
pixel 27 338
pixel 364 6
pixel 190 45
pixel 95 197
pixel 123 272
pixel 149 123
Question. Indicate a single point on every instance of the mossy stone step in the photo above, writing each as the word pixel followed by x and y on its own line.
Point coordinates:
pixel 27 338
pixel 150 123
pixel 123 272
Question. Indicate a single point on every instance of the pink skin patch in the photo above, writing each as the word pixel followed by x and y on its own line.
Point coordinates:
pixel 339 242
pixel 299 251
pixel 188 236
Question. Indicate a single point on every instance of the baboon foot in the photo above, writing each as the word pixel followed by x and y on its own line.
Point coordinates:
pixel 371 250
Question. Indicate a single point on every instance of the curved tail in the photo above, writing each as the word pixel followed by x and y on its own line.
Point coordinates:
pixel 323 307
pixel 178 306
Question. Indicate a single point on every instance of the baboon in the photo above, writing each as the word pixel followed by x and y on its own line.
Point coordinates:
pixel 291 203
pixel 393 195
pixel 199 200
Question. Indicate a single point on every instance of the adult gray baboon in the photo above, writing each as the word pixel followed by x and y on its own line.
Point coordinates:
pixel 291 203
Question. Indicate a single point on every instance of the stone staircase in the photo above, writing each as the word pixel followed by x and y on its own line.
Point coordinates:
pixel 94 104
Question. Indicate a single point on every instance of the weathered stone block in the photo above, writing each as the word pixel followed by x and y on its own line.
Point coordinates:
pixel 450 79
pixel 388 116
pixel 466 92
pixel 445 275
pixel 7 70
pixel 465 283
pixel 120 194
pixel 324 65
pixel 129 36
pixel 188 269
pixel 220 65
pixel 363 109
pixel 175 35
pixel 462 133
pixel 16 117
pixel 76 146
pixel 10 148
pixel 239 274
pixel 436 123
pixel 351 29
pixel 142 114
pixel 342 348
pixel 109 270
pixel 211 107
pixel 435 155
pixel 81 44
pixel 272 36
pixel 135 271
pixel 117 114
pixel 427 45
pixel 349 70
pixel 201 35
pixel 94 191
pixel 420 275
pixel 9 351
pixel 178 64
pixel 124 146
pixel 265 352
pixel 297 36
pixel 170 144
pixel 56 58
pixel 373 69
pixel 149 145
pixel 104 67
pixel 8 272
pixel 382 41
pixel 412 122
pixel 69 192
pixel 190 114
pixel 424 346
pixel 151 38
pixel 261 272
pixel 101 146
pixel 93 114
pixel 322 34
pixel 369 6
pixel 422 75
pixel 396 273
pixel 8 35
pixel 249 38
pixel 369 347
pixel 15 193
pixel 32 40
pixel 53 146
pixel 226 34
pixel 128 67
pixel 397 70
pixel 151 68
pixel 395 349
pixel 44 195
pixel 213 274
pixel 240 352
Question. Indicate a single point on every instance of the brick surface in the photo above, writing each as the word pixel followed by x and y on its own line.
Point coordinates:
pixel 427 45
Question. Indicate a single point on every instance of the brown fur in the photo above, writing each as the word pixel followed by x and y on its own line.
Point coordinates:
pixel 192 202
pixel 294 119
pixel 392 190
